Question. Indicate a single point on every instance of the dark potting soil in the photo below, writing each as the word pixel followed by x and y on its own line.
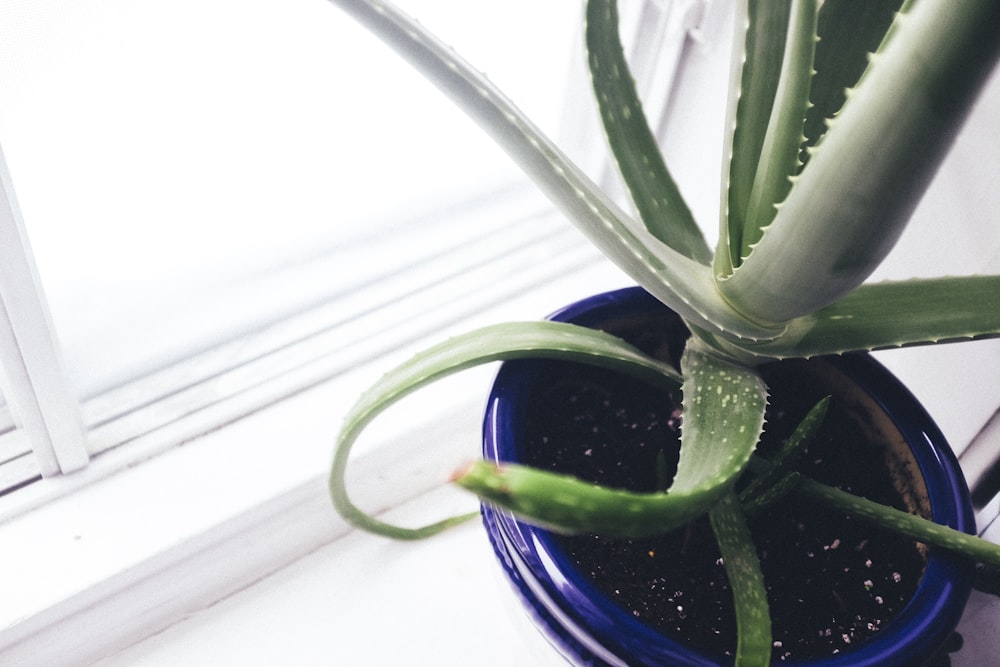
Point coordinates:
pixel 832 581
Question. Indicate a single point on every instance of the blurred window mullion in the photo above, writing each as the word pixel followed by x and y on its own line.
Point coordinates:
pixel 34 382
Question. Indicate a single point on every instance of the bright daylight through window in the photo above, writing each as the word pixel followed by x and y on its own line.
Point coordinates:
pixel 215 199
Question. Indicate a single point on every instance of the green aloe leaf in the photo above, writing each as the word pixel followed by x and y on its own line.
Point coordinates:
pixel 895 314
pixel 500 342
pixel 770 486
pixel 658 200
pixel 898 521
pixel 739 556
pixel 837 223
pixel 849 32
pixel 723 419
pixel 779 156
pixel 566 504
pixel 684 284
pixel 754 83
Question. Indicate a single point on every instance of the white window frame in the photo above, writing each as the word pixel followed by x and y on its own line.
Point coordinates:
pixel 34 383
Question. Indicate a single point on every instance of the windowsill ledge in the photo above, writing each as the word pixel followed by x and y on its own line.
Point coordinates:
pixel 437 601
pixel 366 601
pixel 128 555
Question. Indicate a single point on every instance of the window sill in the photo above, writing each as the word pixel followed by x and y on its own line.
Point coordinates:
pixel 366 601
pixel 443 600
pixel 134 552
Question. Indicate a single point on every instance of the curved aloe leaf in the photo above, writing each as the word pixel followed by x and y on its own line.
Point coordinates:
pixel 495 343
pixel 739 556
pixel 837 224
pixel 895 314
pixel 683 284
pixel 723 418
pixel 567 504
pixel 659 202
pixel 911 525
pixel 770 486
pixel 849 32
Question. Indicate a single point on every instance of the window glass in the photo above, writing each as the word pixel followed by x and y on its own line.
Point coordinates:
pixel 192 171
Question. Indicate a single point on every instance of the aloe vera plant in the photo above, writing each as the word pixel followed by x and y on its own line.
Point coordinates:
pixel 840 113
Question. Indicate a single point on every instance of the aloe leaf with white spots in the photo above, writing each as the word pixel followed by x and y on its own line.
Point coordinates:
pixel 898 521
pixel 739 557
pixel 656 196
pixel 724 404
pixel 566 504
pixel 888 518
pixel 501 342
pixel 724 407
pixel 683 283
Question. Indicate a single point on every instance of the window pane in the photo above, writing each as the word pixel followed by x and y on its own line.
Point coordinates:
pixel 189 171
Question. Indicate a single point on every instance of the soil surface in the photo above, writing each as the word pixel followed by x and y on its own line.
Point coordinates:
pixel 832 581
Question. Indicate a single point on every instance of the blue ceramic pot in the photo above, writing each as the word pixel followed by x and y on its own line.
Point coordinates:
pixel 589 628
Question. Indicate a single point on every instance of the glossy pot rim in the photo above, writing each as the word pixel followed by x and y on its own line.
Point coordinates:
pixel 589 628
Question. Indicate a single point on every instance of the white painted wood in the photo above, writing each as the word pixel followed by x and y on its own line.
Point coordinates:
pixel 366 602
pixel 242 501
pixel 34 381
